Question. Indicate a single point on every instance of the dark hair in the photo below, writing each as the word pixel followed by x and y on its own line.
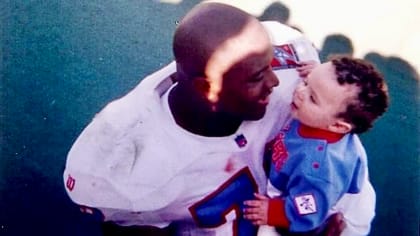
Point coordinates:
pixel 372 99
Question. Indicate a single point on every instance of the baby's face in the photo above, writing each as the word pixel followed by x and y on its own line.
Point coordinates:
pixel 319 98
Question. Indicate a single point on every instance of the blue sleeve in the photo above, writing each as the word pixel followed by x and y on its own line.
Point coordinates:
pixel 358 176
pixel 314 187
pixel 308 202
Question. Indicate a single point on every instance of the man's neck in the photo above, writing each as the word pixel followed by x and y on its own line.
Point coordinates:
pixel 195 115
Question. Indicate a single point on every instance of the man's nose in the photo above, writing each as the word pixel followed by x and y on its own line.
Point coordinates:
pixel 272 80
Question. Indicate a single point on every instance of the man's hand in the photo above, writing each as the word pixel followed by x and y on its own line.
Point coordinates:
pixel 335 225
pixel 257 211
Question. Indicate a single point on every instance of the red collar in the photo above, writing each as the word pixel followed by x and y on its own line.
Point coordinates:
pixel 309 132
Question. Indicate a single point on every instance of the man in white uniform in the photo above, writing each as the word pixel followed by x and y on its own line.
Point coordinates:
pixel 189 152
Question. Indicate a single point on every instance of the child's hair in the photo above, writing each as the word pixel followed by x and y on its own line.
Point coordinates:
pixel 372 100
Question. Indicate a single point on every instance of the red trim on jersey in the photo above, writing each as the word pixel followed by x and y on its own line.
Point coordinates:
pixel 277 213
pixel 309 132
pixel 70 183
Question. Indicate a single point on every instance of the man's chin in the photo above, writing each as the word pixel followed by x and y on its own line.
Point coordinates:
pixel 256 115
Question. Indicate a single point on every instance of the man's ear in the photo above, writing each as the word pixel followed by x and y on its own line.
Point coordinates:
pixel 210 89
pixel 201 85
pixel 341 127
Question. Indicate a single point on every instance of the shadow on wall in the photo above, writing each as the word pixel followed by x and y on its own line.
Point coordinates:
pixel 277 11
pixel 393 150
pixel 336 44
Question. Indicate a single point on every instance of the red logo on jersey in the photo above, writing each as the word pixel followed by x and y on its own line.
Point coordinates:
pixel 241 140
pixel 70 182
pixel 285 57
pixel 280 154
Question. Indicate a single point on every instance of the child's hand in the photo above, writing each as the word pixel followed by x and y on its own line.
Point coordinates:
pixel 257 210
pixel 305 67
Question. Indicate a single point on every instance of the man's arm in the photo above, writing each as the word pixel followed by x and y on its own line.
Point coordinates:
pixel 358 210
pixel 93 161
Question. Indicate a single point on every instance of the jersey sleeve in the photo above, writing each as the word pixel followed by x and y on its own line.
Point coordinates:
pixel 283 35
pixel 108 166
pixel 91 162
pixel 101 157
pixel 314 187
pixel 308 202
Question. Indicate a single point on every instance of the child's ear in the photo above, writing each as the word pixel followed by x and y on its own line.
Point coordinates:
pixel 341 127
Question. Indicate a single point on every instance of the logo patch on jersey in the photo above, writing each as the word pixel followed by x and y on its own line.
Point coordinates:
pixel 70 183
pixel 241 140
pixel 285 57
pixel 279 155
pixel 305 204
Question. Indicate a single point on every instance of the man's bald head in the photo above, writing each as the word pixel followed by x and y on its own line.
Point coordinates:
pixel 205 29
pixel 224 74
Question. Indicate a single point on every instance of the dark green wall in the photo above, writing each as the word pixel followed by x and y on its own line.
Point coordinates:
pixel 62 61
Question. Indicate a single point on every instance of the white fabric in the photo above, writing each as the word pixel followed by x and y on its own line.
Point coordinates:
pixel 139 168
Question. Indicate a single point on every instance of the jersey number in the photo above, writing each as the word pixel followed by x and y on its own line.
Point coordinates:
pixel 213 210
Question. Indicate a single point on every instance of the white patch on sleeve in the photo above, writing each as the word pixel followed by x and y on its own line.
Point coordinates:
pixel 305 204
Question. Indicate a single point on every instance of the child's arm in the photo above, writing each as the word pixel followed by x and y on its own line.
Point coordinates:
pixel 305 67
pixel 266 211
